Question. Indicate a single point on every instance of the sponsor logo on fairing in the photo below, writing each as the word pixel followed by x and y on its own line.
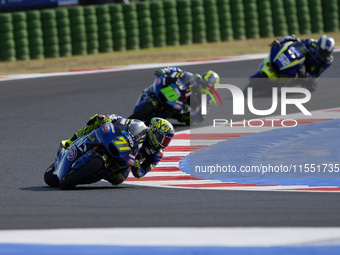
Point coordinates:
pixel 72 154
pixel 106 128
pixel 131 162
pixel 129 138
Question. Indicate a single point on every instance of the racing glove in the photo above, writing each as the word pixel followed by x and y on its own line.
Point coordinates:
pixel 160 72
pixel 184 118
pixel 276 43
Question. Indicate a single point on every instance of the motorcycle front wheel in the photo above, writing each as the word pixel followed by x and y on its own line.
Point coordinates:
pixel 50 178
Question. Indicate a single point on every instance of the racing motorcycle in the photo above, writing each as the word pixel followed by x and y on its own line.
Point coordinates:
pixel 159 101
pixel 105 150
pixel 284 67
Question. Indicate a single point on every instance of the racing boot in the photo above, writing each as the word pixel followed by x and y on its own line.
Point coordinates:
pixel 68 143
pixel 115 178
pixel 91 125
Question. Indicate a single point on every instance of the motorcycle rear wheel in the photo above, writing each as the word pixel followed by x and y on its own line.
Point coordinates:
pixel 259 86
pixel 144 113
pixel 82 174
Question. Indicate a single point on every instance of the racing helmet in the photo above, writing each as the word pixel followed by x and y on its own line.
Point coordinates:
pixel 160 132
pixel 210 78
pixel 137 129
pixel 325 46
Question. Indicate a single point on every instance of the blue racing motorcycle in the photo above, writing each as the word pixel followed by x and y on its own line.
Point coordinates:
pixel 107 149
pixel 161 101
pixel 282 68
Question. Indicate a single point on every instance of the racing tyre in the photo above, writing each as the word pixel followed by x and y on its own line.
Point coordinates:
pixel 50 178
pixel 260 88
pixel 144 113
pixel 82 174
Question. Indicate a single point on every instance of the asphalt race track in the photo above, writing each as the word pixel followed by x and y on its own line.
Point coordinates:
pixel 37 113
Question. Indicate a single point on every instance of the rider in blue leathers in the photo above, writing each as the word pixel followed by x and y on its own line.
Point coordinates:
pixel 318 55
pixel 155 138
pixel 194 83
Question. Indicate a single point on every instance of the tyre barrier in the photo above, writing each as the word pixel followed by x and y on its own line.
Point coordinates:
pixel 158 24
pixel 35 35
pixel 265 18
pixel 131 25
pixel 251 19
pixel 304 18
pixel 212 21
pixel 20 36
pixel 224 15
pixel 50 33
pixel 330 15
pixel 171 22
pixel 118 27
pixel 7 45
pixel 315 10
pixel 91 31
pixel 238 19
pixel 184 21
pixel 79 30
pixel 64 33
pixel 198 22
pixel 279 18
pixel 144 25
pixel 291 16
pixel 104 29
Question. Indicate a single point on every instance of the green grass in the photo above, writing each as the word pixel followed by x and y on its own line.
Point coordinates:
pixel 154 55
